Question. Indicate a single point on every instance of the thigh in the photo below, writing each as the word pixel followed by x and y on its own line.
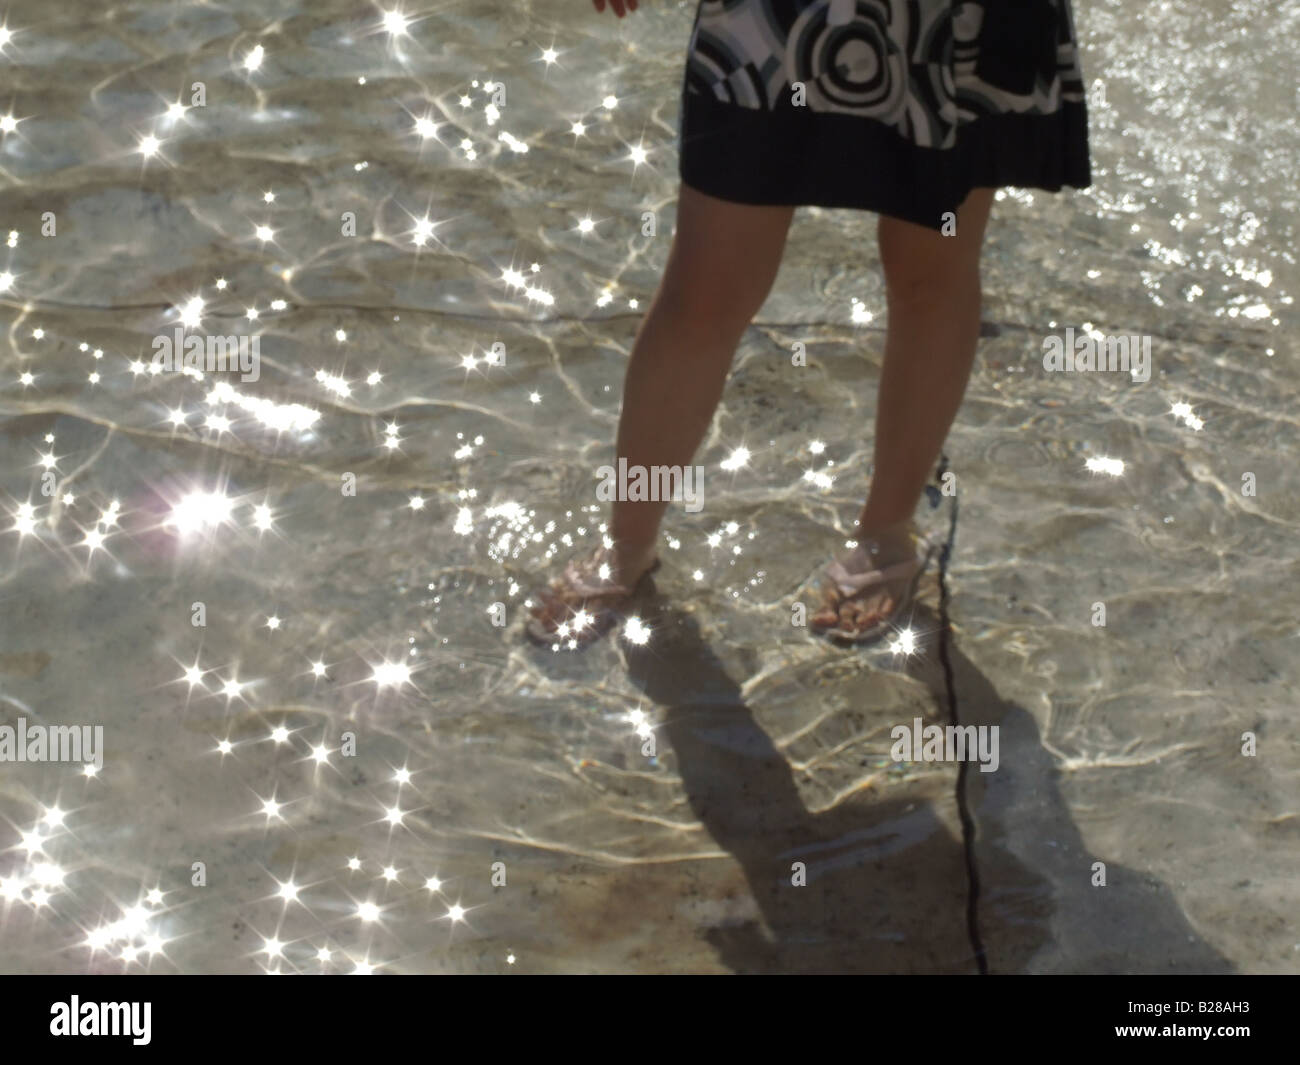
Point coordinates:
pixel 913 255
pixel 724 256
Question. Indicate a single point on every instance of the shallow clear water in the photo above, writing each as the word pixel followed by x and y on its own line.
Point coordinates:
pixel 1119 744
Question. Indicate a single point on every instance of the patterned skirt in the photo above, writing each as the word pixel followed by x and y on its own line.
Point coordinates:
pixel 894 106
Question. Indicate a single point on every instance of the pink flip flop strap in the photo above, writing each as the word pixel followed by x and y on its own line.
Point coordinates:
pixel 575 581
pixel 851 584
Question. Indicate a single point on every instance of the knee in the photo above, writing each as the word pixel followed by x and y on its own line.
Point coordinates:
pixel 943 285
pixel 930 280
pixel 708 306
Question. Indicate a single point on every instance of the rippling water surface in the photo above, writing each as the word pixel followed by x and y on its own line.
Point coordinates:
pixel 374 775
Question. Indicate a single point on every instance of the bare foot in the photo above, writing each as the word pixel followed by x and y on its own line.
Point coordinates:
pixel 844 609
pixel 584 601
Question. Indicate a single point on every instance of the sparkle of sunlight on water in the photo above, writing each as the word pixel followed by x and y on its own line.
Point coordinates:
pixel 275 597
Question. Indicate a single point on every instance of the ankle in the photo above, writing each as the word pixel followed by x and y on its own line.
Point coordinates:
pixel 877 545
pixel 871 527
pixel 629 561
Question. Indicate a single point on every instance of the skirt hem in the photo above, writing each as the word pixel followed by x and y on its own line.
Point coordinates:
pixel 798 157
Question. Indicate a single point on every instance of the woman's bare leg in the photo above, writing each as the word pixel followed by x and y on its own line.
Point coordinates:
pixel 723 260
pixel 933 292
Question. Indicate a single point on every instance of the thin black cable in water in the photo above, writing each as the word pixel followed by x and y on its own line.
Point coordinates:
pixel 945 658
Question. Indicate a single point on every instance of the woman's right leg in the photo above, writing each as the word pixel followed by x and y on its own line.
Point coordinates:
pixel 723 260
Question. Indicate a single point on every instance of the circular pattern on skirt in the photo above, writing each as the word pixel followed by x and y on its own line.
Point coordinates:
pixel 856 64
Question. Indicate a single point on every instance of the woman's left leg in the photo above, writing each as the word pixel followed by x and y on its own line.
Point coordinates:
pixel 933 295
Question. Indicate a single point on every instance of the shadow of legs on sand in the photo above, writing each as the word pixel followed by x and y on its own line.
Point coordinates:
pixel 886 881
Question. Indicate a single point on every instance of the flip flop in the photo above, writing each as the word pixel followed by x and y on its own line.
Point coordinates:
pixel 847 586
pixel 600 603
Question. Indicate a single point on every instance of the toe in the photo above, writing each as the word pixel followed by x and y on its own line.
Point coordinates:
pixel 868 613
pixel 825 618
pixel 553 610
pixel 875 611
pixel 826 614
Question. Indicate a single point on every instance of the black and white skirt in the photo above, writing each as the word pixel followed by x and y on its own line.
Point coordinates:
pixel 894 106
